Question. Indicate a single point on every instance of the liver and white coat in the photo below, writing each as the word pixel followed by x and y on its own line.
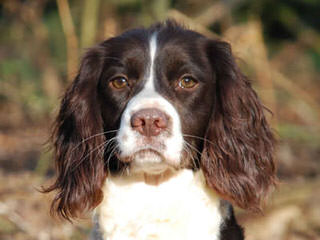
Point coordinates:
pixel 160 132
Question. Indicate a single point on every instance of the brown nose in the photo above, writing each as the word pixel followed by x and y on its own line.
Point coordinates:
pixel 149 121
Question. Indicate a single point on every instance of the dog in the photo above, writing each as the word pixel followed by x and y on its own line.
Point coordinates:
pixel 161 133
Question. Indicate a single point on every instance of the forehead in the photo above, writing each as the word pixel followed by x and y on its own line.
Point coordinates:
pixel 172 43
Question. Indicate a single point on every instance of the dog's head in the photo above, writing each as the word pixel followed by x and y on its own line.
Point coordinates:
pixel 156 99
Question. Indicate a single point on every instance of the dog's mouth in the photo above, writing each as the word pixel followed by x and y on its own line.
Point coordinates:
pixel 149 161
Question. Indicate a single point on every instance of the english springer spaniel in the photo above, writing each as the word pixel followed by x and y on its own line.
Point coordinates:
pixel 160 132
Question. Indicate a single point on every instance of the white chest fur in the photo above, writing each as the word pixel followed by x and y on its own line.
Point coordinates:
pixel 180 208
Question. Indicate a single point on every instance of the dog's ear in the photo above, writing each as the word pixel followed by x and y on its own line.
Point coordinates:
pixel 78 142
pixel 237 160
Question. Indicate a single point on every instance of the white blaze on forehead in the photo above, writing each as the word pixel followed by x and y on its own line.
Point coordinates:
pixel 130 141
pixel 149 86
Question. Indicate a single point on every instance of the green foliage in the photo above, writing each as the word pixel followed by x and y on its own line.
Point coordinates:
pixel 18 68
pixel 315 56
pixel 22 85
pixel 281 20
pixel 7 227
pixel 298 133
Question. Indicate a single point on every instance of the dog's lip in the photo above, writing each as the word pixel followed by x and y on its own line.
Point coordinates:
pixel 153 162
pixel 149 149
pixel 146 150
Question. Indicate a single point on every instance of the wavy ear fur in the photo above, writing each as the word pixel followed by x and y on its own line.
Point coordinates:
pixel 238 155
pixel 78 155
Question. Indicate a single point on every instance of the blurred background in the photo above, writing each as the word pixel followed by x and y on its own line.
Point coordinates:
pixel 41 42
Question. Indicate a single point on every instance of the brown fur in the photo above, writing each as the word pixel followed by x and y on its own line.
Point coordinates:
pixel 238 157
pixel 237 153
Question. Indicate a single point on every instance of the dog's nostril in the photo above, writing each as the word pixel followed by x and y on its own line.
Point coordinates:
pixel 149 121
pixel 161 122
pixel 136 121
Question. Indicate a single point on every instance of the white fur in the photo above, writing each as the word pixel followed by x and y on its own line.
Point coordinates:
pixel 180 208
pixel 131 141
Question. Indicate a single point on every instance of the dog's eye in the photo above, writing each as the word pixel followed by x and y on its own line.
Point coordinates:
pixel 119 82
pixel 187 82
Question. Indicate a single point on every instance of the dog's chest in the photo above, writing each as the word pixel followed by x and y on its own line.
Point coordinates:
pixel 180 208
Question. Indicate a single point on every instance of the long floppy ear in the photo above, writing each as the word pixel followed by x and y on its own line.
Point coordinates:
pixel 77 143
pixel 237 159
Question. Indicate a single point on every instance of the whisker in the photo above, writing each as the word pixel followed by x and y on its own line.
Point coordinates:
pixel 105 143
pixel 92 136
pixel 125 170
pixel 109 145
pixel 83 158
pixel 112 142
pixel 189 153
pixel 113 150
pixel 201 138
pixel 193 147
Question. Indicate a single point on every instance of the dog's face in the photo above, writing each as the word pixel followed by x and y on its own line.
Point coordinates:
pixel 156 90
pixel 155 99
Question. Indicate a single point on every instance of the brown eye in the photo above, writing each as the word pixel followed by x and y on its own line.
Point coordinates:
pixel 187 82
pixel 119 82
